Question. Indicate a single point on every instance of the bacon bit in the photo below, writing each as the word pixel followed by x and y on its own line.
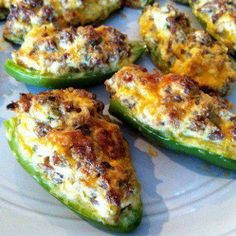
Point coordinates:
pixel 48 13
pixel 104 184
pixel 113 147
pixel 12 106
pixel 233 119
pixel 128 77
pixel 47 162
pixel 190 86
pixel 70 107
pixel 57 178
pixel 42 129
pixel 126 186
pixel 215 17
pixel 21 12
pixel 93 200
pixel 85 130
pixel 56 159
pixel 199 123
pixel 216 135
pixel 130 103
pixel 68 35
pixel 92 36
pixel 174 117
pixel 46 167
pixel 34 3
pixel 51 46
pixel 175 21
pixel 173 98
pixel 103 167
pixel 99 106
pixel 113 197
pixel 25 101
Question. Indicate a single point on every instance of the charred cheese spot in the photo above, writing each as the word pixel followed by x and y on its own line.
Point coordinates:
pixel 49 50
pixel 174 105
pixel 178 48
pixel 78 150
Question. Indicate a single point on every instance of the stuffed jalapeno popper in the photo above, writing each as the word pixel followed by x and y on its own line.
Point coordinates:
pixel 78 155
pixel 174 113
pixel 80 57
pixel 219 19
pixel 178 48
pixel 25 14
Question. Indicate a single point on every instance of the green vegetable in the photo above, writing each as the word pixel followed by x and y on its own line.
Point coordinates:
pixel 129 218
pixel 161 139
pixel 76 79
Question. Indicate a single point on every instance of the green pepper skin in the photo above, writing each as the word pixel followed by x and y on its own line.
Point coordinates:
pixel 157 58
pixel 159 138
pixel 79 79
pixel 128 221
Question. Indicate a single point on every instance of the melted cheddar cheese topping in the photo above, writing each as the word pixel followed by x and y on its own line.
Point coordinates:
pixel 174 105
pixel 178 48
pixel 49 50
pixel 219 16
pixel 25 14
pixel 77 150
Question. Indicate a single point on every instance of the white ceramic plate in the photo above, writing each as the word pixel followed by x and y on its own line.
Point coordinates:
pixel 181 195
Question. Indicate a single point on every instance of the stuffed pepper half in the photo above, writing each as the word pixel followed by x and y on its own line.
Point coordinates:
pixel 80 57
pixel 64 141
pixel 25 14
pixel 174 113
pixel 178 48
pixel 219 18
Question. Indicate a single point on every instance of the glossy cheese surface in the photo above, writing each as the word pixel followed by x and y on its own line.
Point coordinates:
pixel 78 151
pixel 174 105
pixel 177 47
